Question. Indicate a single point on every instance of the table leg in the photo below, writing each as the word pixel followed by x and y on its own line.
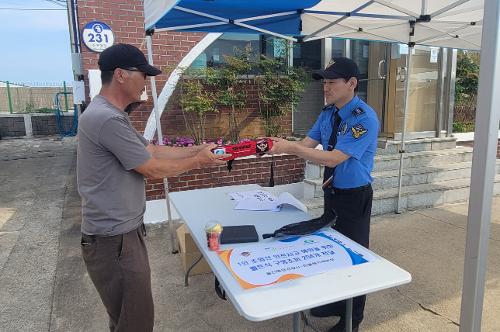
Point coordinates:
pixel 348 315
pixel 171 232
pixel 186 275
pixel 296 322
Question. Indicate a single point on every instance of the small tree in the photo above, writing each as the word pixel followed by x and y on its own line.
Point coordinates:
pixel 197 101
pixel 279 89
pixel 229 84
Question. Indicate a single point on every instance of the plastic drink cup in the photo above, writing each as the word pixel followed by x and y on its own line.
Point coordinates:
pixel 213 231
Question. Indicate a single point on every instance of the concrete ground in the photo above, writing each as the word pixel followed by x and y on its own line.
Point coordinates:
pixel 45 287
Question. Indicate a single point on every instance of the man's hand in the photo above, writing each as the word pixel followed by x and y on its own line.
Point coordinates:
pixel 207 158
pixel 281 145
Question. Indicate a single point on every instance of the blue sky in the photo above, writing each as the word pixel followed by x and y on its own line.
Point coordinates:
pixel 34 45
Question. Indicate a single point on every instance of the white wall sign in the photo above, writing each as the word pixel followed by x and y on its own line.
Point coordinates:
pixel 78 92
pixel 403 49
pixel 97 36
pixel 434 54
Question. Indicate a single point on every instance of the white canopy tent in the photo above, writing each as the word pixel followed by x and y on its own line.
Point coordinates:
pixel 444 23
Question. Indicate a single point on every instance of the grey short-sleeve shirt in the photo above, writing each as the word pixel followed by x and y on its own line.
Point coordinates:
pixel 109 148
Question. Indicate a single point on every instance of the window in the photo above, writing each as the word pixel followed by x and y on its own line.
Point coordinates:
pixel 227 44
pixel 307 55
pixel 338 47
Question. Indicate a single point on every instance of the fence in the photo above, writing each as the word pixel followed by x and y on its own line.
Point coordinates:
pixel 17 98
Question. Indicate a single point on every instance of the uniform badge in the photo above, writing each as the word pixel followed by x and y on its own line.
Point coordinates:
pixel 358 131
pixel 343 128
pixel 357 111
pixel 331 63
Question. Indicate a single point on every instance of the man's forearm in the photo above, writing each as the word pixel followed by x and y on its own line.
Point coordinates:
pixel 325 158
pixel 173 167
pixel 171 152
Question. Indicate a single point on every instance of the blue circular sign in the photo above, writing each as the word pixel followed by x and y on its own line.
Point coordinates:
pixel 97 36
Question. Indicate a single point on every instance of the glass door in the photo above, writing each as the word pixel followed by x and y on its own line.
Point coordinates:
pixel 423 98
pixel 371 58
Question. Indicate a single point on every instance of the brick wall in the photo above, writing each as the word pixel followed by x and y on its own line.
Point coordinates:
pixel 127 22
pixel 287 169
pixel 12 126
pixel 217 124
pixel 44 124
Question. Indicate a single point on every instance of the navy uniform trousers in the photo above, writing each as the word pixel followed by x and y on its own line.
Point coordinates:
pixel 353 208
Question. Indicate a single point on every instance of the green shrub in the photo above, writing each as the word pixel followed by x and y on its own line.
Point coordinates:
pixel 461 127
pixel 467 79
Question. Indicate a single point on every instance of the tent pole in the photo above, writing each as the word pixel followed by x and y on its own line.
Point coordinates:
pixel 405 119
pixel 483 172
pixel 149 43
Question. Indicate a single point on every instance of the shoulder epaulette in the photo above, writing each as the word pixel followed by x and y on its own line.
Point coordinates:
pixel 358 111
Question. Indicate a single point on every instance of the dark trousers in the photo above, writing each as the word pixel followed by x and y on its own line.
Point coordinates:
pixel 119 268
pixel 353 208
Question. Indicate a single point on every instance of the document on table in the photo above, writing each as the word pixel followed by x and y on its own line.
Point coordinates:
pixel 263 264
pixel 260 200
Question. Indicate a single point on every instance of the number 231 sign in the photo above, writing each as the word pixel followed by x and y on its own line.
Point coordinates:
pixel 97 36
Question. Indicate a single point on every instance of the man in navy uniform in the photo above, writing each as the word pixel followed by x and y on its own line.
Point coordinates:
pixel 347 128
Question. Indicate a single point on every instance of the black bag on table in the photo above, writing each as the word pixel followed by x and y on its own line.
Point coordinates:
pixel 305 227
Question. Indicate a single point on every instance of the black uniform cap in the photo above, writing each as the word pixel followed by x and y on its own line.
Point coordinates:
pixel 338 68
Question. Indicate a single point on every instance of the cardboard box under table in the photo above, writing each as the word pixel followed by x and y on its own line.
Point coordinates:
pixel 189 253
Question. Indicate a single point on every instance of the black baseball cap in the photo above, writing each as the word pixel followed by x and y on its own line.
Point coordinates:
pixel 125 56
pixel 338 68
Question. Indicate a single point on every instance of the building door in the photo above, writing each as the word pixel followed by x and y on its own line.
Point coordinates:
pixel 423 97
pixel 372 60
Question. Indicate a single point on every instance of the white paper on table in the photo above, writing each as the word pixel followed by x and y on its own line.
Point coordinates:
pixel 252 194
pixel 240 195
pixel 260 200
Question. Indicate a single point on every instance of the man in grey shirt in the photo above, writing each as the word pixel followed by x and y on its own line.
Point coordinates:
pixel 113 159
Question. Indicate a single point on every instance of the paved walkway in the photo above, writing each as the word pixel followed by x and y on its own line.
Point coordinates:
pixel 44 285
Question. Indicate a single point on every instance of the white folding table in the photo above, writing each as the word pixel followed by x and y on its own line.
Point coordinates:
pixel 197 207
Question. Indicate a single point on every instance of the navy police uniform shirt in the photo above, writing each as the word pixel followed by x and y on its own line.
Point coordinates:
pixel 356 137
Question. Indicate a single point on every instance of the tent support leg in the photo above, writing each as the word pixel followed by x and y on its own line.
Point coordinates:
pixel 403 130
pixel 483 172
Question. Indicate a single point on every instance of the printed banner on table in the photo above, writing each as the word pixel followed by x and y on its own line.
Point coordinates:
pixel 262 264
